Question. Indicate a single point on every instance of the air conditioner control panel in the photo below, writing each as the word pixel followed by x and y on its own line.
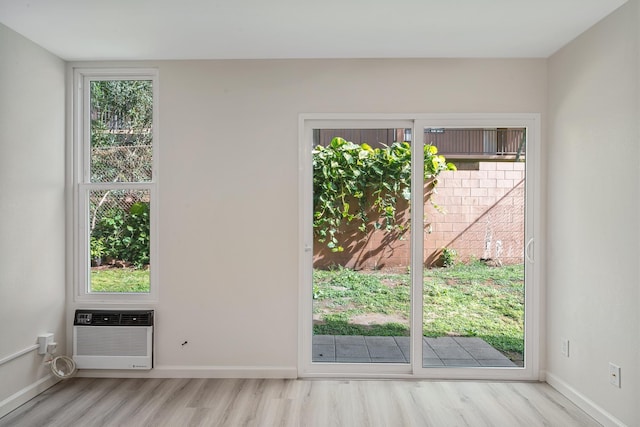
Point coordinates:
pixel 83 318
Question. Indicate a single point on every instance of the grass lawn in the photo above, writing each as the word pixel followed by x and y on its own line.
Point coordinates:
pixel 464 300
pixel 120 280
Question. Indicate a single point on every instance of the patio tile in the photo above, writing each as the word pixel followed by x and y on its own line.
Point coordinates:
pixel 404 343
pixel 323 353
pixel 441 342
pixel 461 362
pixel 497 363
pixel 467 342
pixel 387 352
pixel 353 359
pixel 430 362
pixel 380 341
pixel 452 353
pixel 351 351
pixel 437 352
pixel 399 359
pixel 485 353
pixel 324 339
pixel 349 340
pixel 428 352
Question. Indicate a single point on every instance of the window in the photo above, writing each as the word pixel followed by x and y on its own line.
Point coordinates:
pixel 116 184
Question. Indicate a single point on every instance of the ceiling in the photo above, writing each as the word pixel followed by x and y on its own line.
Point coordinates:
pixel 250 29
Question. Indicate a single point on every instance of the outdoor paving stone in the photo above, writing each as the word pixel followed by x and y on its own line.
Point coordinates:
pixel 460 362
pixel 452 353
pixel 429 362
pixel 497 363
pixel 349 350
pixel 471 342
pixel 324 339
pixel 441 342
pixel 380 341
pixel 350 340
pixel 485 353
pixel 436 352
pixel 353 359
pixel 428 352
pixel 388 359
pixel 391 352
pixel 404 343
pixel 323 353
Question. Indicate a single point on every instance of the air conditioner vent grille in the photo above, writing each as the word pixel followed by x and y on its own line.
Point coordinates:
pixel 114 318
pixel 111 341
pixel 135 319
pixel 105 319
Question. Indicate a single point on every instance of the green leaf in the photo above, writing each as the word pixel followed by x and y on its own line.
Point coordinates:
pixel 406 193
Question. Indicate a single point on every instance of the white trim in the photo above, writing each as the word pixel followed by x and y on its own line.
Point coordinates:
pixel 177 371
pixel 17 354
pixel 26 394
pixel 417 245
pixel 80 184
pixel 534 348
pixel 583 402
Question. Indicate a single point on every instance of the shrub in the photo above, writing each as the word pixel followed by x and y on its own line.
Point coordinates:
pixel 346 173
pixel 123 235
pixel 448 257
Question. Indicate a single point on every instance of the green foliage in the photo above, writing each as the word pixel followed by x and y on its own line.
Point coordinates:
pixel 345 173
pixel 121 105
pixel 123 235
pixel 121 123
pixel 448 257
pixel 97 248
pixel 338 325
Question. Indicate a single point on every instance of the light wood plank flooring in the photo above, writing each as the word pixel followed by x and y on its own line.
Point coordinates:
pixel 251 402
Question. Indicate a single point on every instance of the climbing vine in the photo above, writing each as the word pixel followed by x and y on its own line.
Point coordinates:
pixel 348 178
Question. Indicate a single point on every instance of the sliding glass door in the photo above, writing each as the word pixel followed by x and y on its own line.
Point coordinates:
pixel 417 237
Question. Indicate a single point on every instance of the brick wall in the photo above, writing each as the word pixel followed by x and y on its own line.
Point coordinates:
pixel 479 213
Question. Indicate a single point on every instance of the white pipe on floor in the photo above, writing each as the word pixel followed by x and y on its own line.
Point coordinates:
pixel 18 354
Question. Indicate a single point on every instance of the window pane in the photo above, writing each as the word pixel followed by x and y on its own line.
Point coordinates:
pixel 121 137
pixel 119 241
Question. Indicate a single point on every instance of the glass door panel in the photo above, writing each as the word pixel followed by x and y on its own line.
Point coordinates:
pixel 361 245
pixel 473 292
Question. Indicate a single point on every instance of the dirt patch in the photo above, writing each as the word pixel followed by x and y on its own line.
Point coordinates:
pixel 378 319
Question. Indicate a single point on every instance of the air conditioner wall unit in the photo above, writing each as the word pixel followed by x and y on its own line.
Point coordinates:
pixel 113 339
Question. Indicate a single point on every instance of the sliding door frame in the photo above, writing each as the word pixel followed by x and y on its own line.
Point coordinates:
pixel 417 122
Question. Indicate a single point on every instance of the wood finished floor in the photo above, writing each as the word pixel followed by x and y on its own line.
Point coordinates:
pixel 91 402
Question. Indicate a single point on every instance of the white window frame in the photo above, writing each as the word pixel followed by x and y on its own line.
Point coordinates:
pixel 82 185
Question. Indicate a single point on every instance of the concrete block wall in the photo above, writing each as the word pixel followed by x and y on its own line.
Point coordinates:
pixel 478 213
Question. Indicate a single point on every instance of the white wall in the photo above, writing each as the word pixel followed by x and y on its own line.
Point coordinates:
pixel 32 211
pixel 593 210
pixel 229 186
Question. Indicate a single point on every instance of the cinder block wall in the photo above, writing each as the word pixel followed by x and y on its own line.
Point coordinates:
pixel 478 213
pixel 481 214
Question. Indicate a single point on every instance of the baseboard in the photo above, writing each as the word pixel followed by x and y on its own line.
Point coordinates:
pixel 584 403
pixel 168 371
pixel 29 392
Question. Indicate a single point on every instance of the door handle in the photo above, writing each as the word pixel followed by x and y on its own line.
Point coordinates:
pixel 527 251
